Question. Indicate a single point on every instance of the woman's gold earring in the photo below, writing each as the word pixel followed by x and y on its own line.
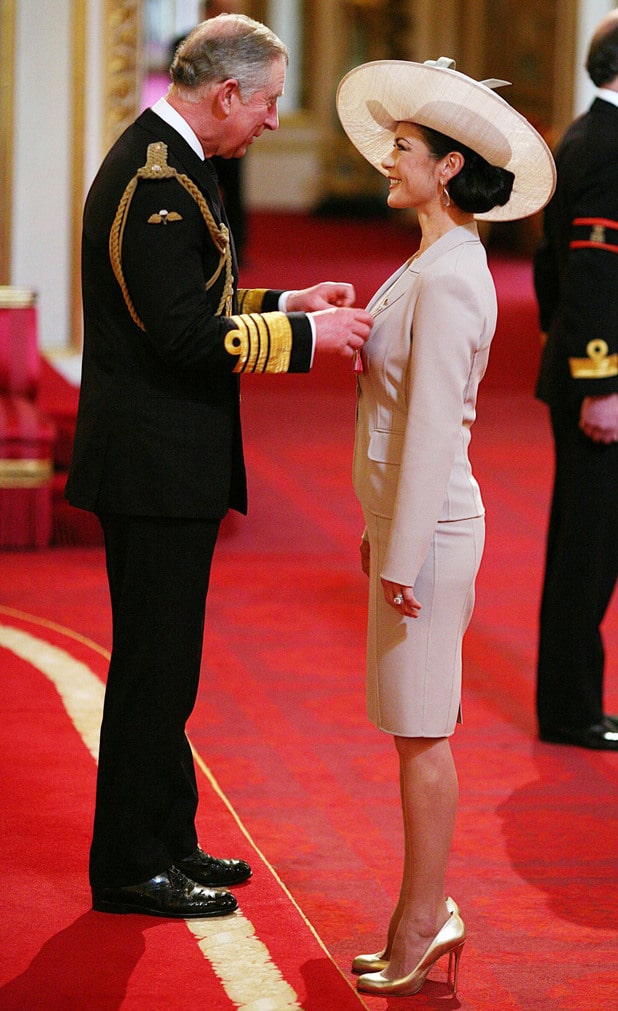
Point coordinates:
pixel 446 196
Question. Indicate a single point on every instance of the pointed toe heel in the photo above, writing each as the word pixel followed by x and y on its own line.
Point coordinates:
pixel 449 941
pixel 376 963
pixel 369 963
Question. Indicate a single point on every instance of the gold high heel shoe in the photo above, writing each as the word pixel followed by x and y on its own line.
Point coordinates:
pixel 377 962
pixel 448 941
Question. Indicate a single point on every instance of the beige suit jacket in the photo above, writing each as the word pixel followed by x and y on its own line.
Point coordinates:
pixel 433 324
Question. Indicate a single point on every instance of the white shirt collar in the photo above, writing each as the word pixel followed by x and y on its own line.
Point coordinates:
pixel 166 112
pixel 608 95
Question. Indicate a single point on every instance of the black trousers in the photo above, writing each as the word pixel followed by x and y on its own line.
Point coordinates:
pixel 580 576
pixel 158 571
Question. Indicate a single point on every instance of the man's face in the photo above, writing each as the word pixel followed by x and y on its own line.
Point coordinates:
pixel 248 119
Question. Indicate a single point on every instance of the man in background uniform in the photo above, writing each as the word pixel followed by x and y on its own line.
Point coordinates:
pixel 576 281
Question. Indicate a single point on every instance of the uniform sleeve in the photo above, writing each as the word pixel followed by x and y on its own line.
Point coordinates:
pixel 590 321
pixel 576 272
pixel 447 327
pixel 175 280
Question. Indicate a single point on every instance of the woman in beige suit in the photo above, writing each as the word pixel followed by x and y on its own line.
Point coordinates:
pixel 452 149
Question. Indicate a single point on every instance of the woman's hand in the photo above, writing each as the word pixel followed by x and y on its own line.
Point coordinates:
pixel 401 598
pixel 365 553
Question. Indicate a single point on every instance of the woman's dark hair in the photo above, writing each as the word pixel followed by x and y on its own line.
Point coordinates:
pixel 479 186
pixel 602 60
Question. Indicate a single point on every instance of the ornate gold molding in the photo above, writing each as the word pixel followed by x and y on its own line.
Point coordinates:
pixel 78 122
pixel 120 95
pixel 121 66
pixel 7 97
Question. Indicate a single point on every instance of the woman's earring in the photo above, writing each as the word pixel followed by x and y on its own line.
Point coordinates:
pixel 446 196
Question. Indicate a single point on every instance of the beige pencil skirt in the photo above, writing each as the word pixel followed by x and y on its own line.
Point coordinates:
pixel 414 664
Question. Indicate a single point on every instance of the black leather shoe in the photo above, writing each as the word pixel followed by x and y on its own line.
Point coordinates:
pixel 207 870
pixel 168 894
pixel 599 737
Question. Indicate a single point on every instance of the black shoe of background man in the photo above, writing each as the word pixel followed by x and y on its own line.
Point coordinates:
pixel 168 894
pixel 210 871
pixel 598 737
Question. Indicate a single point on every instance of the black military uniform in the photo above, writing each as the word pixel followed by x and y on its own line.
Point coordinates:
pixel 576 281
pixel 158 456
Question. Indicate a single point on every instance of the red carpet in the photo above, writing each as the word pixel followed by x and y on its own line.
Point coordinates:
pixel 59 954
pixel 280 723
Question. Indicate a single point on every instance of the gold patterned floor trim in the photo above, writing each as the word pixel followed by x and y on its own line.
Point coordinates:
pixel 241 961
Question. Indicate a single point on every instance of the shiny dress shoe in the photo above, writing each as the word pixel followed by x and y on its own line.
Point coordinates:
pixel 377 962
pixel 167 894
pixel 600 736
pixel 207 870
pixel 449 941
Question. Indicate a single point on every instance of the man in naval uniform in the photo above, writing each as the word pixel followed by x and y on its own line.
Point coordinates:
pixel 576 280
pixel 158 451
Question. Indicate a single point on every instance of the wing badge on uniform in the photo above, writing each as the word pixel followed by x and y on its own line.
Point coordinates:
pixel 163 217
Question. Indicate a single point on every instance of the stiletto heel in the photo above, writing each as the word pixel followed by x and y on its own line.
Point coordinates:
pixel 454 955
pixel 448 941
pixel 377 962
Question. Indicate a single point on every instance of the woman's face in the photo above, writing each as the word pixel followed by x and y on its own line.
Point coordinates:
pixel 413 174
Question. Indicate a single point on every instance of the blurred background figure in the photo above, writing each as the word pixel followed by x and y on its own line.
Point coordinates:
pixel 576 280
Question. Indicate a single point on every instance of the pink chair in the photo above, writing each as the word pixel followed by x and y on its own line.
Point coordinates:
pixel 26 433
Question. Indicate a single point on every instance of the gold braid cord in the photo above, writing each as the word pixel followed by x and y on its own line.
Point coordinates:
pixel 156 167
pixel 262 342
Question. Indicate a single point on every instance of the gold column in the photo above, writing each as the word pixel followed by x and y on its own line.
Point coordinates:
pixel 121 66
pixel 7 98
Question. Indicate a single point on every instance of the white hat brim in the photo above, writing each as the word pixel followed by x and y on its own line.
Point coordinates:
pixel 373 98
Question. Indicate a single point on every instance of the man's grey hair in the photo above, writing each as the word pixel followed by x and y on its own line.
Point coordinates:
pixel 228 46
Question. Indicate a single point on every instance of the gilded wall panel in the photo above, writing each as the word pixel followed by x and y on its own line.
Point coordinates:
pixel 121 66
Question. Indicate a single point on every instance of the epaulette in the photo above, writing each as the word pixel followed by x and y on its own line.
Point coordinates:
pixel 156 168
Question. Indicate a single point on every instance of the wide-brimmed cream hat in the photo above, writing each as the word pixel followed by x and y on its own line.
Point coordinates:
pixel 373 98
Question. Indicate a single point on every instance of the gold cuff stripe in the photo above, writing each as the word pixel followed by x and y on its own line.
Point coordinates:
pixel 25 473
pixel 261 342
pixel 598 365
pixel 250 299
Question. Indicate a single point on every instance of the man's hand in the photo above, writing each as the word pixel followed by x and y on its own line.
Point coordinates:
pixel 341 331
pixel 598 418
pixel 320 296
